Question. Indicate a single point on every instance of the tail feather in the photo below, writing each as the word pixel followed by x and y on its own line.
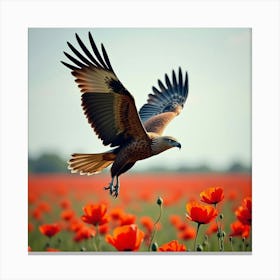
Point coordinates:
pixel 90 163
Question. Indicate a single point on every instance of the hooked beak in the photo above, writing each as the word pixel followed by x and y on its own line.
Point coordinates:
pixel 178 145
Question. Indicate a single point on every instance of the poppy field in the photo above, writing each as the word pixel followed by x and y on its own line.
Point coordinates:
pixel 153 213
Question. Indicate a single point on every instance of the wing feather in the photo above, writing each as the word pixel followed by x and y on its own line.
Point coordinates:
pixel 106 58
pixel 168 83
pixel 69 66
pixel 79 55
pixel 74 60
pixel 97 54
pixel 86 51
pixel 175 85
pixel 108 106
pixel 165 103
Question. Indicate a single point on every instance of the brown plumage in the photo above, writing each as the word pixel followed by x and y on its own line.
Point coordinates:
pixel 111 112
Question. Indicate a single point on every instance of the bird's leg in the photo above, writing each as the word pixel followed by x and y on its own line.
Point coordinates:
pixel 116 189
pixel 110 186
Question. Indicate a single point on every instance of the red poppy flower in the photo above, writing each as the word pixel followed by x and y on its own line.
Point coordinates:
pixel 212 195
pixel 148 223
pixel 44 207
pixel 64 204
pixel 95 214
pixel 103 229
pixel 173 246
pixel 116 213
pixel 188 233
pixel 37 214
pixel 126 238
pixel 84 233
pixel 199 213
pixel 239 229
pixel 177 222
pixel 67 214
pixel 244 212
pixel 182 226
pixel 76 225
pixel 127 219
pixel 213 228
pixel 49 229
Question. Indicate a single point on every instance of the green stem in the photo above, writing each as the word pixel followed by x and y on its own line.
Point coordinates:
pixel 90 244
pixel 218 233
pixel 219 226
pixel 155 228
pixel 231 245
pixel 243 243
pixel 197 229
pixel 48 244
pixel 222 248
pixel 97 239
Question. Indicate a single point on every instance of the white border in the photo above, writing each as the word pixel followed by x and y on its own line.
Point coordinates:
pixel 262 16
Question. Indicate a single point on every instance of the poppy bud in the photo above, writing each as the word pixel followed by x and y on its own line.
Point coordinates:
pixel 83 249
pixel 223 234
pixel 199 248
pixel 221 216
pixel 159 201
pixel 230 238
pixel 220 234
pixel 154 247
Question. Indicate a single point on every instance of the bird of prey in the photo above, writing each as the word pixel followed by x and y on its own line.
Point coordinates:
pixel 111 111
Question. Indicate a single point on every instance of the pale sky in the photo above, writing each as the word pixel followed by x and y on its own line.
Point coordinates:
pixel 214 127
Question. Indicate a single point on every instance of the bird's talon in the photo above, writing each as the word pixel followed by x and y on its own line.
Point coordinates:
pixel 113 189
pixel 110 188
pixel 116 191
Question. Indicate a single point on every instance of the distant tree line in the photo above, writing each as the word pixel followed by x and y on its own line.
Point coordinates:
pixel 235 167
pixel 47 163
pixel 53 163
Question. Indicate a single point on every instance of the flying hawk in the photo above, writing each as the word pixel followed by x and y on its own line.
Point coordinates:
pixel 111 112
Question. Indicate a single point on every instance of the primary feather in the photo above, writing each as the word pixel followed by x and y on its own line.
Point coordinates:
pixel 167 98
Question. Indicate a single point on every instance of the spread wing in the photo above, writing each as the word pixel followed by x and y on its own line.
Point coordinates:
pixel 165 103
pixel 108 106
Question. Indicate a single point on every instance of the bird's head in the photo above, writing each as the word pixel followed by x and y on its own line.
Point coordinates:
pixel 163 143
